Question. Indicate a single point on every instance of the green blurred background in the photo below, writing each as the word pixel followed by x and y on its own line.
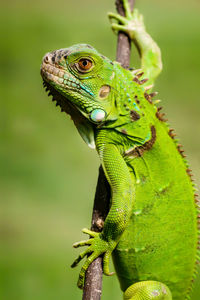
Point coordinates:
pixel 48 175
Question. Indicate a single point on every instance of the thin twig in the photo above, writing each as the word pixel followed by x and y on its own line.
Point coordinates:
pixel 93 281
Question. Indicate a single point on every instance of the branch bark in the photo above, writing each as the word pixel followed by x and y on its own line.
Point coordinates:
pixel 124 42
pixel 93 281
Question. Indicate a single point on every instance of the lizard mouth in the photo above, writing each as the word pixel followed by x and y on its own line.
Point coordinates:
pixel 57 76
pixel 55 81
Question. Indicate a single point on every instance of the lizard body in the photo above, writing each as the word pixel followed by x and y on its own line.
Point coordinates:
pixel 151 228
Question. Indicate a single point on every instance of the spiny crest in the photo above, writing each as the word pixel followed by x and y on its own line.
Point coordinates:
pixel 149 87
pixel 149 97
pixel 197 262
pixel 160 115
pixel 138 74
pixel 189 172
pixel 56 97
pixel 140 82
pixel 172 134
pixel 180 150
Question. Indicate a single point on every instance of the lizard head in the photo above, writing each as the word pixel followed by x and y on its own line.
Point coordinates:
pixel 84 77
pixel 81 81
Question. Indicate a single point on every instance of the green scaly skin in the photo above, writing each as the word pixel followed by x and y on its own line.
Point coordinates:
pixel 151 228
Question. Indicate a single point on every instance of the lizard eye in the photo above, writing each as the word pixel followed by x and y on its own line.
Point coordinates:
pixel 84 64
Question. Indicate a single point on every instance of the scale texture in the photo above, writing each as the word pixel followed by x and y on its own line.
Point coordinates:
pixel 151 229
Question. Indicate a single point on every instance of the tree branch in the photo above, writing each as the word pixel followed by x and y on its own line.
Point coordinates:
pixel 124 42
pixel 93 281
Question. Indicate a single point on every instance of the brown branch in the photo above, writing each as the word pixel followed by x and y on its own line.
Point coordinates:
pixel 123 43
pixel 93 281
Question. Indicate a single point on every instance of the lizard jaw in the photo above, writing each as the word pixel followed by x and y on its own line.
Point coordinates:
pixel 59 77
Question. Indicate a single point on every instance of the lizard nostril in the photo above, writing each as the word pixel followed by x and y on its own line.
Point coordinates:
pixel 46 59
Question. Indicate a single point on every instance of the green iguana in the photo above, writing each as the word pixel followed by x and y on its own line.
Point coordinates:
pixel 151 229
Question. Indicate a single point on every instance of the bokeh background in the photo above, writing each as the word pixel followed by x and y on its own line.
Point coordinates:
pixel 48 175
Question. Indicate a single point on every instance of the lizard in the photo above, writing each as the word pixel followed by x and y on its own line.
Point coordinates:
pixel 151 230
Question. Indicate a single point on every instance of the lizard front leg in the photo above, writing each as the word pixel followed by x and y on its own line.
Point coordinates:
pixel 133 25
pixel 122 190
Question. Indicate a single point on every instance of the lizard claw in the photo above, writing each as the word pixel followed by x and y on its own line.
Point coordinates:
pixel 90 232
pixel 82 243
pixel 97 246
pixel 81 256
pixel 130 24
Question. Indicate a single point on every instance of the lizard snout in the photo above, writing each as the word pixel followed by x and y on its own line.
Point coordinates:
pixel 49 58
pixel 55 57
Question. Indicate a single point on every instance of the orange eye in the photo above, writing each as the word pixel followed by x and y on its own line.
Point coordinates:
pixel 84 64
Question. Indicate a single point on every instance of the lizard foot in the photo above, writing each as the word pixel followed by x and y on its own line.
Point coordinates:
pixel 132 23
pixel 97 246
